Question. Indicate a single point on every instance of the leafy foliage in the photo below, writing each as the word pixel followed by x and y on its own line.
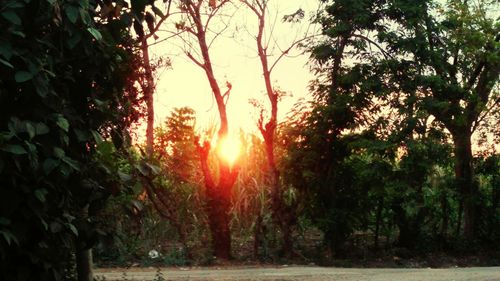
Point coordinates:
pixel 392 75
pixel 66 83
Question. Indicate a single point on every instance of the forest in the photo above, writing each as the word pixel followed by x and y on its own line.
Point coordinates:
pixel 393 156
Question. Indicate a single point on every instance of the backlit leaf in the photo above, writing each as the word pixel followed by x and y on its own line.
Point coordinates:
pixel 97 137
pixel 97 35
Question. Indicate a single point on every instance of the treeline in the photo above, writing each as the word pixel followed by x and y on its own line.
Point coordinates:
pixel 356 192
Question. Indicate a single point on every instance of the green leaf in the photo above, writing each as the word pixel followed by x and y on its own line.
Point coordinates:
pixel 97 137
pixel 72 13
pixel 124 177
pixel 73 228
pixel 5 49
pixel 30 129
pixel 23 76
pixel 84 4
pixel 155 169
pixel 6 136
pixel 49 165
pixel 18 33
pixel 6 63
pixel 63 123
pixel 40 194
pixel 85 16
pixel 58 152
pixel 97 35
pixel 11 16
pixel 105 149
pixel 14 149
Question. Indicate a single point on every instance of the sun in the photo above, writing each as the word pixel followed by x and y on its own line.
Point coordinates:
pixel 229 149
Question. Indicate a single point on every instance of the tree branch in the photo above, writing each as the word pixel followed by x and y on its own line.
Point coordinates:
pixel 197 62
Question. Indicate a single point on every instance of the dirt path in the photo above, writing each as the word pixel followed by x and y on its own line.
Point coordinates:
pixel 303 273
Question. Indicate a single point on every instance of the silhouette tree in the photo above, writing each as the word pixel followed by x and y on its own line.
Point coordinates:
pixel 196 25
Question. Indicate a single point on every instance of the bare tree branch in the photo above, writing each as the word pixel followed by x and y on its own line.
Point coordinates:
pixel 197 62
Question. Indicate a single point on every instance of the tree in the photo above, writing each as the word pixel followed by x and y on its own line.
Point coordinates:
pixel 439 58
pixel 67 81
pixel 175 190
pixel 148 81
pixel 282 213
pixel 198 16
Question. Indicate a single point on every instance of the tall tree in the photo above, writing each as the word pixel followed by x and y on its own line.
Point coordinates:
pixel 444 57
pixel 153 20
pixel 198 16
pixel 267 125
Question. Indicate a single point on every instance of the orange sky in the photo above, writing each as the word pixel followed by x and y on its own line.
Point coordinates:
pixel 235 61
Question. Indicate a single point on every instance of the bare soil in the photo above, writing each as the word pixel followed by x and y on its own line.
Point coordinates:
pixel 296 273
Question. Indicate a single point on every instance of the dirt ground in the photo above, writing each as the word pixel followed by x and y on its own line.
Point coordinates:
pixel 296 273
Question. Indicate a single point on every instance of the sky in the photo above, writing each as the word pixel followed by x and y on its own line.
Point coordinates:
pixel 235 60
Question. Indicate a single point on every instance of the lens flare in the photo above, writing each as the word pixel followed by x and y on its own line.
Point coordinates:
pixel 229 149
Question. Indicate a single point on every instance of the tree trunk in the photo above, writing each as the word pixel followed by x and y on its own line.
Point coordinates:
pixel 464 180
pixel 282 215
pixel 219 219
pixel 219 195
pixel 377 222
pixel 83 252
pixel 84 265
pixel 218 202
pixel 148 90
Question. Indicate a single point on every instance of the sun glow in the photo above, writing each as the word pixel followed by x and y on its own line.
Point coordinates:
pixel 229 149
